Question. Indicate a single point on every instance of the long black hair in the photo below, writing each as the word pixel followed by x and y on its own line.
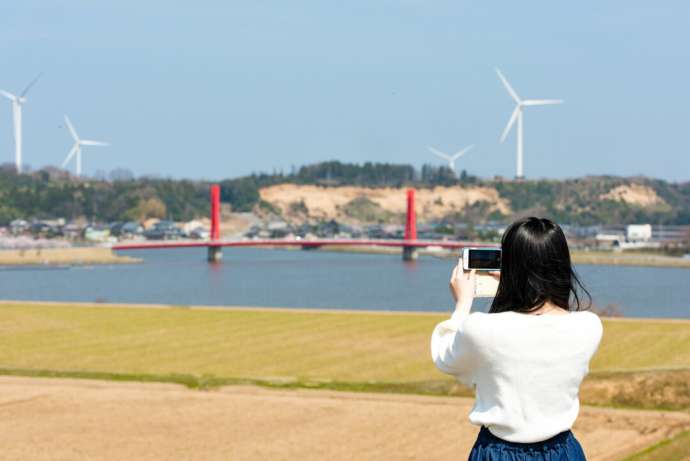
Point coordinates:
pixel 536 268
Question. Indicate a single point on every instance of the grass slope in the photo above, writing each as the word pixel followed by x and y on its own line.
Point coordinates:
pixel 674 449
pixel 338 350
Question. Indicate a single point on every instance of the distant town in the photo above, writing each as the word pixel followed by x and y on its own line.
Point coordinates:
pixel 59 233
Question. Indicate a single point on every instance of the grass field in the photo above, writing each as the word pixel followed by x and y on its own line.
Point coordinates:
pixel 289 347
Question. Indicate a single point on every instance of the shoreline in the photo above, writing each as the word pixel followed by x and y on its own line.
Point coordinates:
pixel 629 259
pixel 594 258
pixel 297 310
pixel 70 256
pixel 79 256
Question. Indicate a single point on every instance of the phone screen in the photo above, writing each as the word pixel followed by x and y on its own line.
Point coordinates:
pixel 484 259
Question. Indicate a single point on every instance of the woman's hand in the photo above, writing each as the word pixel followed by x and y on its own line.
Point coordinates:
pixel 462 285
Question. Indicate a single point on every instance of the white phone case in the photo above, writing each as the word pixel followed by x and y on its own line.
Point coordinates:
pixel 485 286
pixel 465 256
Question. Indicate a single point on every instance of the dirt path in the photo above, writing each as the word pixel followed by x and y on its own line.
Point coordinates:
pixel 62 419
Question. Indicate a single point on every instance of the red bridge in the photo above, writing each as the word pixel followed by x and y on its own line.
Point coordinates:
pixel 409 244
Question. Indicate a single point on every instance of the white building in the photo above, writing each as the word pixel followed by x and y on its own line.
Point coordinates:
pixel 638 232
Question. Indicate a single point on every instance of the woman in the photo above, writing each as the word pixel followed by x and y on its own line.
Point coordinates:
pixel 527 357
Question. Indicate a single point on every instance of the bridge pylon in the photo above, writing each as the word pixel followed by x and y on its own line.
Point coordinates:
pixel 409 252
pixel 215 253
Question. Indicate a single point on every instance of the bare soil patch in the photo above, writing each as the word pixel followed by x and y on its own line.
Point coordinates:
pixel 634 194
pixel 63 419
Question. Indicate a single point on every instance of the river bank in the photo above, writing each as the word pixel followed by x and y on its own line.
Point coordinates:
pixel 63 256
pixel 628 259
pixel 101 255
pixel 597 258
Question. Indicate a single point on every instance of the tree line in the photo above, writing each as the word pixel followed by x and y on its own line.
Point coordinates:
pixel 49 194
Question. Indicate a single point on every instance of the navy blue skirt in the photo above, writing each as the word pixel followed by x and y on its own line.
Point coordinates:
pixel 560 447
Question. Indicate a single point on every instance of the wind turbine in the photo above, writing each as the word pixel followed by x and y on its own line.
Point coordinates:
pixel 76 148
pixel 517 115
pixel 17 102
pixel 450 158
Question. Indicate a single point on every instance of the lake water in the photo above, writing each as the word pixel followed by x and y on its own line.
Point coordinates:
pixel 317 279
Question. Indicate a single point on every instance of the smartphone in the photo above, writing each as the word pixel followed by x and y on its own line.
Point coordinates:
pixel 481 259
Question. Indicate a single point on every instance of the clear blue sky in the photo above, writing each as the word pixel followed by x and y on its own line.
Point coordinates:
pixel 216 89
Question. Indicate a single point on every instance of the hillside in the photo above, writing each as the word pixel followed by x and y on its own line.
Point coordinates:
pixel 372 193
pixel 600 200
pixel 367 193
pixel 587 201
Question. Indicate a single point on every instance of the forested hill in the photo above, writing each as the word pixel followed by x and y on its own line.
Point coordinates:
pixel 52 193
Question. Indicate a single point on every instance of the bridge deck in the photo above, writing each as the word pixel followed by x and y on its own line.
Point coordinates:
pixel 300 243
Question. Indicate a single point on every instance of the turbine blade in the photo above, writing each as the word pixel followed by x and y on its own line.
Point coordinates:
pixel 28 87
pixel 439 154
pixel 541 102
pixel 462 152
pixel 71 129
pixel 88 142
pixel 509 88
pixel 8 95
pixel 511 122
pixel 70 154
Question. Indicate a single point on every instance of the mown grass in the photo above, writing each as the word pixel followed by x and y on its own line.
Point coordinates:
pixel 676 448
pixel 380 352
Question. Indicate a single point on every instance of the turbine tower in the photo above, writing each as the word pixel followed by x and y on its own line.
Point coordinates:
pixel 76 148
pixel 450 158
pixel 17 102
pixel 517 115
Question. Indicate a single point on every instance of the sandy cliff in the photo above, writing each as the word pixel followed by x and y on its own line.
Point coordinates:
pixel 634 194
pixel 337 202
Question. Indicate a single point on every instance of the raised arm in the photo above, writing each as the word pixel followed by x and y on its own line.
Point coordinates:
pixel 452 349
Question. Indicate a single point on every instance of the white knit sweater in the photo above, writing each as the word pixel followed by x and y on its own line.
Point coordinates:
pixel 526 369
